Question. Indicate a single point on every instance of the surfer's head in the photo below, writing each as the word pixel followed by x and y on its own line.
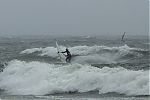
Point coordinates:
pixel 67 49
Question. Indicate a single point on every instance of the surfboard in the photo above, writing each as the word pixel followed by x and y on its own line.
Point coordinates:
pixel 60 55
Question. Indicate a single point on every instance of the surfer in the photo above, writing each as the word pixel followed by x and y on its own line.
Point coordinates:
pixel 68 56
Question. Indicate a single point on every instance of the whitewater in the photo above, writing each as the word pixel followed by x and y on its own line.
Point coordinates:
pixel 93 54
pixel 102 67
pixel 37 78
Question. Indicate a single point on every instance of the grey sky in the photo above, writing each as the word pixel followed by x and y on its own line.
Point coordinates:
pixel 73 16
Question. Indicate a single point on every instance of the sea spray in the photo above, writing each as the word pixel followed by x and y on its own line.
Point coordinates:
pixel 36 78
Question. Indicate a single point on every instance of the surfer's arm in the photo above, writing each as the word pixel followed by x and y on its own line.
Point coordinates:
pixel 63 52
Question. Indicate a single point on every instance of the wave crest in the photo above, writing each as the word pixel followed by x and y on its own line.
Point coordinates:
pixel 36 78
pixel 93 54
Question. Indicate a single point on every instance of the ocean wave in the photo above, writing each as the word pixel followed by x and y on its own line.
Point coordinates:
pixel 36 78
pixel 97 54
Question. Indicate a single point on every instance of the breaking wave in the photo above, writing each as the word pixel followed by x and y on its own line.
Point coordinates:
pixel 36 78
pixel 93 54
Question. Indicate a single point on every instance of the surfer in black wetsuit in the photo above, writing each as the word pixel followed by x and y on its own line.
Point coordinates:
pixel 68 56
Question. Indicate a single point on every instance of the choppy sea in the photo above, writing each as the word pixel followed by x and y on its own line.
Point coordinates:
pixel 101 68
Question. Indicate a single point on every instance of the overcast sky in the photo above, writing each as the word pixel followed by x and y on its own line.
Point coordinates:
pixel 73 17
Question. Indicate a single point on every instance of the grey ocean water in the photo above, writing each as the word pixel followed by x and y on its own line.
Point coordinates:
pixel 102 68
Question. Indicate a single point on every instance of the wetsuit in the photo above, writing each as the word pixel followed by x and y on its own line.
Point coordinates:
pixel 68 56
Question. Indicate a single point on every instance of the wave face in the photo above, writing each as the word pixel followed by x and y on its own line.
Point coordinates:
pixel 94 54
pixel 36 78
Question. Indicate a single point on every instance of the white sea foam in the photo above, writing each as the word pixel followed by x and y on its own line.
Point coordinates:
pixel 29 51
pixel 80 50
pixel 98 54
pixel 36 78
